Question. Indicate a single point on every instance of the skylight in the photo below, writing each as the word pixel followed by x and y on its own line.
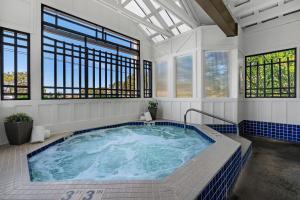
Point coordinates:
pixel 174 18
pixel 166 17
pixel 143 6
pixel 178 3
pixel 154 20
pixel 148 30
pixel 184 28
pixel 155 4
pixel 175 31
pixel 133 7
pixel 159 38
pixel 161 22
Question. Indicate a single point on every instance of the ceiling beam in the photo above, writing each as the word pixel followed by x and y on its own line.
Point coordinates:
pixel 217 10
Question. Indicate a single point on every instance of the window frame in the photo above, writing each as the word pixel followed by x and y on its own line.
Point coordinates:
pixel 289 88
pixel 229 71
pixel 134 64
pixel 168 78
pixel 16 46
pixel 178 56
pixel 148 71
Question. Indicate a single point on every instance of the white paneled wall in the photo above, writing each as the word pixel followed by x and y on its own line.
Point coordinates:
pixel 71 115
pixel 267 38
pixel 174 109
pixel 272 110
pixel 194 43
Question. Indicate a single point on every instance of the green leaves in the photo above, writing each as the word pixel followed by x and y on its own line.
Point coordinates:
pixel 152 104
pixel 18 117
pixel 271 74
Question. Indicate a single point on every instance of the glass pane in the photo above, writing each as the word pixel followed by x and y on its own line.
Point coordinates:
pixel 76 73
pixel 216 74
pixel 162 79
pixel 48 69
pixel 68 71
pixel 22 67
pixel 134 8
pixel 60 71
pixel 184 76
pixel 8 67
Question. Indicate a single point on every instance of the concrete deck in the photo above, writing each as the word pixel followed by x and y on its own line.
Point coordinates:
pixel 273 172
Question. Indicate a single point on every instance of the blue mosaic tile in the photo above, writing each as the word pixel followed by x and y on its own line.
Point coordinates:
pixel 223 128
pixel 276 131
pixel 247 156
pixel 220 187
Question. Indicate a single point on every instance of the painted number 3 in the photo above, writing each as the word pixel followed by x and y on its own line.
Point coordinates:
pixel 89 195
pixel 68 195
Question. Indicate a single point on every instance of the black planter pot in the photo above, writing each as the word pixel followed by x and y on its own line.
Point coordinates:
pixel 18 132
pixel 153 112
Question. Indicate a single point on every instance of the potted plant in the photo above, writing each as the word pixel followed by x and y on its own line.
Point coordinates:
pixel 18 128
pixel 152 107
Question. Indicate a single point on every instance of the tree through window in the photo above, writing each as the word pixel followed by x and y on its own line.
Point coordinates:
pixel 271 75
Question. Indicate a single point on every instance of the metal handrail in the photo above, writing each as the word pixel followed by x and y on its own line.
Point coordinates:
pixel 210 115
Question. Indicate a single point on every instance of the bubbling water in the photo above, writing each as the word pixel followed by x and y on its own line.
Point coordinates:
pixel 123 153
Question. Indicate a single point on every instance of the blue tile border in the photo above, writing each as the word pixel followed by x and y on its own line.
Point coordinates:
pixel 223 128
pixel 220 187
pixel 276 131
pixel 247 155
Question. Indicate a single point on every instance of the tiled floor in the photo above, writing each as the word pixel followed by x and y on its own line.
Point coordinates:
pixel 15 182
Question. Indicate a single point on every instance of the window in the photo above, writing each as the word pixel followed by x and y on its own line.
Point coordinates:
pixel 147 79
pixel 162 79
pixel 184 76
pixel 216 66
pixel 14 65
pixel 271 75
pixel 84 60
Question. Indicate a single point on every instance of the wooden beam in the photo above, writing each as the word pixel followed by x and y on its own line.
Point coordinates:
pixel 217 10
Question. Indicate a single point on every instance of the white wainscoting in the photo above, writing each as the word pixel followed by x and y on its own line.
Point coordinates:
pixel 70 115
pixel 286 111
pixel 174 109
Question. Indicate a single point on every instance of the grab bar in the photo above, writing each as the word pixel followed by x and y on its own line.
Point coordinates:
pixel 210 115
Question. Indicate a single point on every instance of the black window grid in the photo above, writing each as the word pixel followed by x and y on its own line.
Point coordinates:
pixel 288 91
pixel 14 39
pixel 147 79
pixel 97 32
pixel 92 64
pixel 114 68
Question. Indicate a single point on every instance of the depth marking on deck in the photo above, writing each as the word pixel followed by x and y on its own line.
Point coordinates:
pixel 83 195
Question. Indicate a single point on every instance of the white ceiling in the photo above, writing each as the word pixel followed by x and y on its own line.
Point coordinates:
pixel 162 19
pixel 249 13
